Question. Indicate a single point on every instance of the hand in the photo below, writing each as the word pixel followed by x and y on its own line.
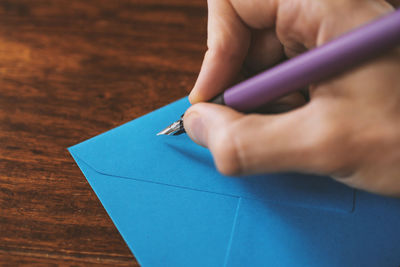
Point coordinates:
pixel 350 127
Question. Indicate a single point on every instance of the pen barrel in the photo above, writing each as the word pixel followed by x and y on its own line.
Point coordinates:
pixel 323 62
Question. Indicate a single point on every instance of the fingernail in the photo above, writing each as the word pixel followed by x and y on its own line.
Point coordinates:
pixel 193 97
pixel 194 127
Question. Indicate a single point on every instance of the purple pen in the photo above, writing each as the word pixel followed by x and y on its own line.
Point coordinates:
pixel 335 57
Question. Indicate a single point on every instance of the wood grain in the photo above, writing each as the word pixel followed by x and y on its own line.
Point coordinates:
pixel 70 70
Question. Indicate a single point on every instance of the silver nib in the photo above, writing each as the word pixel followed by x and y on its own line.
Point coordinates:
pixel 174 129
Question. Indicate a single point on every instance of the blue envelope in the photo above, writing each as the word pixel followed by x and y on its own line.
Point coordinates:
pixel 173 208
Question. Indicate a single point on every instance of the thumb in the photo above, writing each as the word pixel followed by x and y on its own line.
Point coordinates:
pixel 247 144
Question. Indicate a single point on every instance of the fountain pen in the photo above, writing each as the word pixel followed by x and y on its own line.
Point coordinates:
pixel 318 64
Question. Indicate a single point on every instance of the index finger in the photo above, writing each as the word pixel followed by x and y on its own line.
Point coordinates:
pixel 228 42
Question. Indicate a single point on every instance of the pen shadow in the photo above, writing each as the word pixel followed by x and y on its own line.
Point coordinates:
pixel 197 157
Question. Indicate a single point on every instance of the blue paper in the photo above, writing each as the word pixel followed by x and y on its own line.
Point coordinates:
pixel 174 209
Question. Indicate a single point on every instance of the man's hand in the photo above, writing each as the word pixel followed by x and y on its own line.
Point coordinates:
pixel 350 127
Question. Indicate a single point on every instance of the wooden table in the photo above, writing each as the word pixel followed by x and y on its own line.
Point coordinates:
pixel 70 70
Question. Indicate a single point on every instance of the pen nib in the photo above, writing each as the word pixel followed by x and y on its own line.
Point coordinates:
pixel 175 128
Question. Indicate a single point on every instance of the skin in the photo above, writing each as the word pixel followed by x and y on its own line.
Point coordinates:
pixel 349 128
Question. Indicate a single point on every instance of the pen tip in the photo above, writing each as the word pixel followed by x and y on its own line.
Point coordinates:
pixel 163 132
pixel 175 128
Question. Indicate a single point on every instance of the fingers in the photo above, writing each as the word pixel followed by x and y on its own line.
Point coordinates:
pixel 246 144
pixel 228 41
pixel 244 32
pixel 229 45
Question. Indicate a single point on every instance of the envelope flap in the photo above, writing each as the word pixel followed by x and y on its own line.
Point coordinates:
pixel 134 151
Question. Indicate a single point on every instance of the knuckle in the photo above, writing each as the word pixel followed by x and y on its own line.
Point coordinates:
pixel 225 151
pixel 232 147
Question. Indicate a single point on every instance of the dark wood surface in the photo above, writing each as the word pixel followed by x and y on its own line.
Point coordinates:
pixel 70 70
